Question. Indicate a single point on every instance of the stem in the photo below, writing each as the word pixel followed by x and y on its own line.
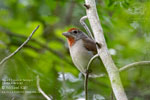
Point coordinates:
pixel 86 85
pixel 140 63
pixel 85 26
pixel 111 68
pixel 40 90
pixel 95 56
pixel 19 48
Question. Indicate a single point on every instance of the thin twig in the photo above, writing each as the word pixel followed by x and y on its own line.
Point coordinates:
pixel 56 53
pixel 89 63
pixel 86 85
pixel 85 26
pixel 87 75
pixel 19 48
pixel 40 90
pixel 140 63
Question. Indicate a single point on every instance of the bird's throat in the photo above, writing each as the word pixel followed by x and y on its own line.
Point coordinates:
pixel 71 41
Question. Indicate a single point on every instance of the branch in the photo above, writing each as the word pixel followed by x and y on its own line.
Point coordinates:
pixel 86 85
pixel 87 76
pixel 27 46
pixel 140 63
pixel 19 48
pixel 40 90
pixel 111 68
pixel 89 63
pixel 56 53
pixel 85 26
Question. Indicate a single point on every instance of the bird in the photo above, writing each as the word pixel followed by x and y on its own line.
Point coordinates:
pixel 82 48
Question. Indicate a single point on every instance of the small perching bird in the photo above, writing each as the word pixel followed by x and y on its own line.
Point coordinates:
pixel 82 49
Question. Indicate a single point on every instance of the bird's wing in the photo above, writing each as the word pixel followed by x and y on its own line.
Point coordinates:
pixel 90 45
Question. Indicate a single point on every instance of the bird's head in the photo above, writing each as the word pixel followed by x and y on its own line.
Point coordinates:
pixel 73 35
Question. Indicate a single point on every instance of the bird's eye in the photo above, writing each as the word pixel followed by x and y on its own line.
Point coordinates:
pixel 75 31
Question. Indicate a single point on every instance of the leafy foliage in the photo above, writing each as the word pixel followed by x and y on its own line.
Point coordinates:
pixel 126 28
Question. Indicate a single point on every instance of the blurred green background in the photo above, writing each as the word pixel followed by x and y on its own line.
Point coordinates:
pixel 126 25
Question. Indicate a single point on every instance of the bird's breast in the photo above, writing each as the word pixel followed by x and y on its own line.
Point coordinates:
pixel 80 55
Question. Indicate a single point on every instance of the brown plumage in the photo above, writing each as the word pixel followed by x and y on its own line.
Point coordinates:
pixel 90 45
pixel 82 49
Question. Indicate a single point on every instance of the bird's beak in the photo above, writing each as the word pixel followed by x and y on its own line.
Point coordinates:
pixel 67 34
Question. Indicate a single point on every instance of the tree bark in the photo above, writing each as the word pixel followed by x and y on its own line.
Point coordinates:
pixel 111 68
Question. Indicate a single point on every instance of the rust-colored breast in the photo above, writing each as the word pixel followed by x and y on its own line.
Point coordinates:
pixel 71 41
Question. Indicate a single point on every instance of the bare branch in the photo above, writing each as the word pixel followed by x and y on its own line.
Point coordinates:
pixel 111 68
pixel 140 63
pixel 56 53
pixel 86 85
pixel 85 26
pixel 40 90
pixel 89 63
pixel 87 76
pixel 19 48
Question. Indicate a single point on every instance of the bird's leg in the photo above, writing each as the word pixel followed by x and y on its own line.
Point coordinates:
pixel 86 84
pixel 85 26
